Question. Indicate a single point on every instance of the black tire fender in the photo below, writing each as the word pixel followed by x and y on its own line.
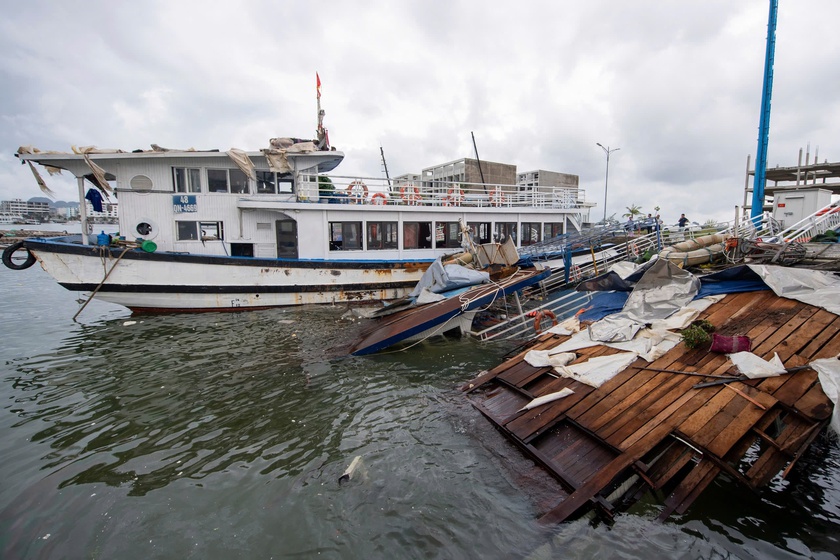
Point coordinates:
pixel 14 264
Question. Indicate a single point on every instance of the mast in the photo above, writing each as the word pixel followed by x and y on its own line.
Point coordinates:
pixel 480 172
pixel 385 166
pixel 323 140
pixel 764 121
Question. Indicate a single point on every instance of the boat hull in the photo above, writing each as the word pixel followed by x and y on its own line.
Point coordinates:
pixel 166 282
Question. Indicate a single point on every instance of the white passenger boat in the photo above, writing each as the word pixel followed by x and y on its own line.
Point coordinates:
pixel 216 230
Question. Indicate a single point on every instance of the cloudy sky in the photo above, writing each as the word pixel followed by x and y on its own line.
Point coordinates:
pixel 675 84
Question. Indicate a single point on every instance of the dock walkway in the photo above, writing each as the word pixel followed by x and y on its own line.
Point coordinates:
pixel 648 429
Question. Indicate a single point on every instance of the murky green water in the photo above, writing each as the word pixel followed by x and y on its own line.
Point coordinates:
pixel 224 436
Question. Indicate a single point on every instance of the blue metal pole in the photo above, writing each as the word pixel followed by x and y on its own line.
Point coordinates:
pixel 764 122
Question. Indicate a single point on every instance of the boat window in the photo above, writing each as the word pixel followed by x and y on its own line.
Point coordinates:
pixel 269 182
pixel 285 183
pixel 417 235
pixel 382 235
pixel 186 179
pixel 530 233
pixel 227 180
pixel 480 232
pixel 241 249
pixel 552 230
pixel 199 231
pixel 505 230
pixel 345 236
pixel 447 235
pixel 265 182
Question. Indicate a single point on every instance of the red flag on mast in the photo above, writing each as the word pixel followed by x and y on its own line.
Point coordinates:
pixel 318 84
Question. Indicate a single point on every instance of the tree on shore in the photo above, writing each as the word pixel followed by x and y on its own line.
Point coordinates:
pixel 632 211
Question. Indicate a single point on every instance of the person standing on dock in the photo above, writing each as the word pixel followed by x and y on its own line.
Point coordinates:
pixel 682 222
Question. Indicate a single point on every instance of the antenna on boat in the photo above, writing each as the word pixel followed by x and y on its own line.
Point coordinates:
pixel 480 172
pixel 385 166
pixel 323 138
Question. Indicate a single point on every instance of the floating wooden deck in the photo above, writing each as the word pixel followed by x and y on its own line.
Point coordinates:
pixel 648 429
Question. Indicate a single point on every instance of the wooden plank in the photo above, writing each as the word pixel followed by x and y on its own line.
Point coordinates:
pixel 822 336
pixel 639 406
pixel 670 417
pixel 524 424
pixel 644 441
pixel 671 463
pixel 831 348
pixel 812 327
pixel 777 342
pixel 689 488
pixel 627 427
pixel 535 421
pixel 598 412
pixel 734 306
pixel 795 385
pixel 814 403
pixel 520 372
pixel 725 439
pixel 716 399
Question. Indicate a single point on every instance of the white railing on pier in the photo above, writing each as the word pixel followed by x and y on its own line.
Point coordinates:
pixel 377 191
pixel 819 222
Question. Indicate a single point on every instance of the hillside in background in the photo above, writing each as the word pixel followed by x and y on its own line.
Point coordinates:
pixel 54 203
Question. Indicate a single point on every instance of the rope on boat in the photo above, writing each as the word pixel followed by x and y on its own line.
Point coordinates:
pixel 93 293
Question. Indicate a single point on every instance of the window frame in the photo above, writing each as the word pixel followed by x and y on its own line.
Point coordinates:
pixel 382 236
pixel 532 227
pixel 198 228
pixel 190 175
pixel 346 230
pixel 241 179
pixel 421 239
pixel 503 230
pixel 446 229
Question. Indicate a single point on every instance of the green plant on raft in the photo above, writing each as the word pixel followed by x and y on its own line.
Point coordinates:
pixel 695 336
pixel 704 324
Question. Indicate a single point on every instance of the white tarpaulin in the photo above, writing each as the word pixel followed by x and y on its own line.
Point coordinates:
pixel 648 343
pixel 543 358
pixel 596 371
pixel 663 290
pixel 814 287
pixel 567 327
pixel 755 367
pixel 684 316
pixel 441 278
pixel 828 370
pixel 545 399
pixel 243 162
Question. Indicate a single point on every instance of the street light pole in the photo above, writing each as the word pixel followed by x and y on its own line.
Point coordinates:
pixel 607 151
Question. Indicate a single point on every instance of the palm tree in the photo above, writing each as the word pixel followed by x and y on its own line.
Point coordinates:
pixel 632 211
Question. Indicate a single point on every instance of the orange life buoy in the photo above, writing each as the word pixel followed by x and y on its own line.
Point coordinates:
pixel 454 197
pixel 357 191
pixel 538 319
pixel 497 198
pixel 377 197
pixel 410 194
pixel 633 248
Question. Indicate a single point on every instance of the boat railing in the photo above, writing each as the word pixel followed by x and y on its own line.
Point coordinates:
pixel 557 291
pixel 521 325
pixel 334 189
pixel 822 220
